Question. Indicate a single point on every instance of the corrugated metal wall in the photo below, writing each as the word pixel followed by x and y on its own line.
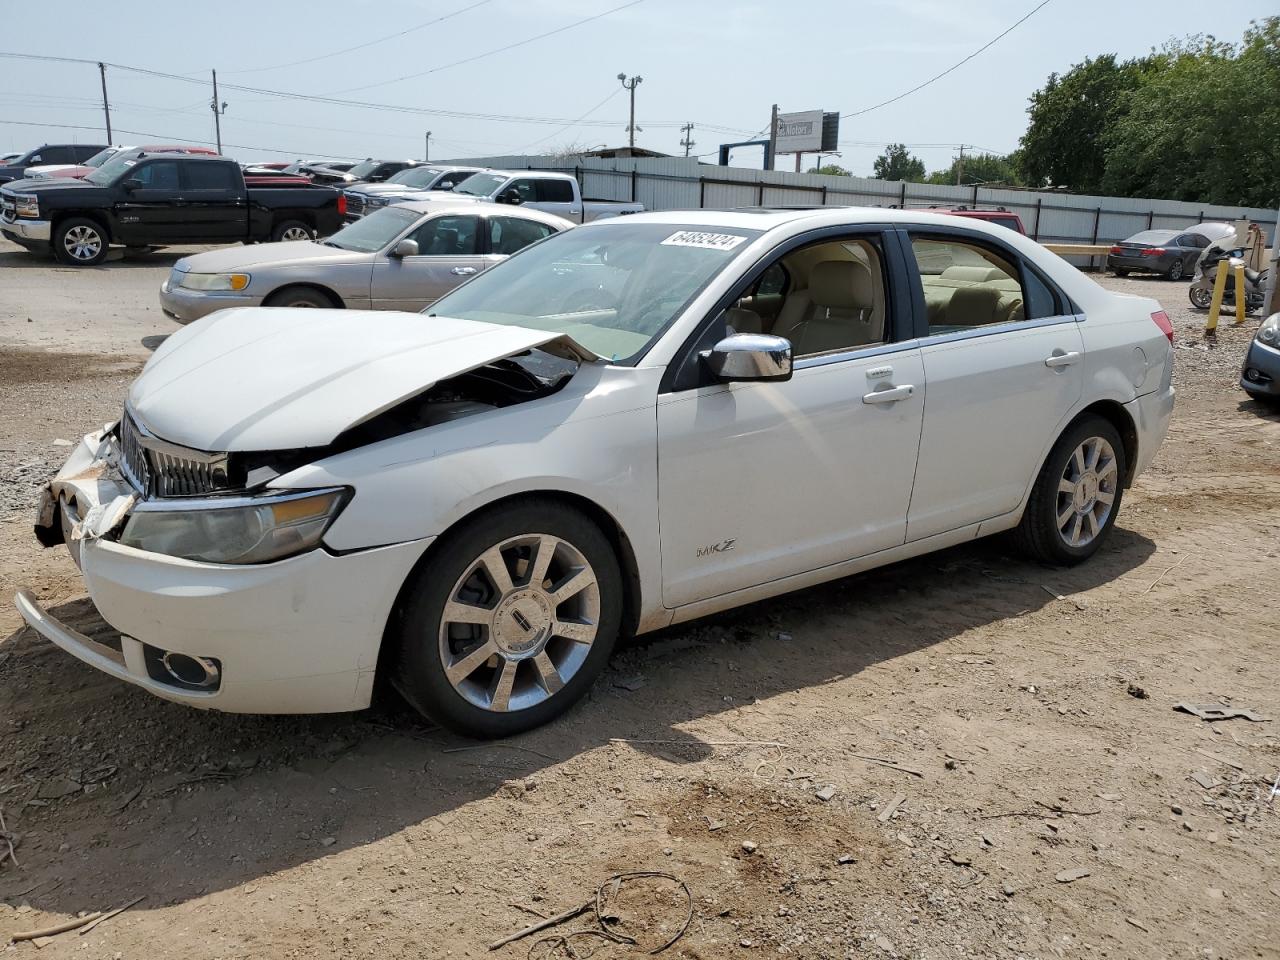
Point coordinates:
pixel 676 183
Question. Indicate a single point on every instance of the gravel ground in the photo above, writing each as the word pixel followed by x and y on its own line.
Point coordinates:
pixel 1040 798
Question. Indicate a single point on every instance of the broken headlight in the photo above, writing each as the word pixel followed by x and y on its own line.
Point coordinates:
pixel 26 205
pixel 235 530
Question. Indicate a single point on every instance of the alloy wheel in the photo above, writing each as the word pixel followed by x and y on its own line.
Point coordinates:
pixel 82 243
pixel 1175 271
pixel 295 233
pixel 1087 492
pixel 519 623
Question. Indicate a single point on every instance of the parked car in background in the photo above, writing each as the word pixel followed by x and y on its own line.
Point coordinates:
pixel 159 200
pixel 75 153
pixel 78 172
pixel 259 176
pixel 556 193
pixel 474 504
pixel 406 185
pixel 997 215
pixel 366 171
pixel 7 158
pixel 400 258
pixel 1172 253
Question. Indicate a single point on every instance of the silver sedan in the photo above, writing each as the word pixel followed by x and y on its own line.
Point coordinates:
pixel 403 257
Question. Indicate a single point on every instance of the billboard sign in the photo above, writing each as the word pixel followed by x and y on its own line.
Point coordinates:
pixel 800 132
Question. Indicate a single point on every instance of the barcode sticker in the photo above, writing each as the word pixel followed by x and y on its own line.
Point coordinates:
pixel 707 241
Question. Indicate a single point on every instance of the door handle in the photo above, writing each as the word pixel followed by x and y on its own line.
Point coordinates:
pixel 1062 359
pixel 463 271
pixel 892 395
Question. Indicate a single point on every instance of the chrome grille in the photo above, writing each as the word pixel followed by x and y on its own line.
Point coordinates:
pixel 157 468
pixel 355 204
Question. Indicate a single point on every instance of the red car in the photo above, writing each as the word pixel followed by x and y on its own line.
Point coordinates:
pixel 999 215
pixel 102 156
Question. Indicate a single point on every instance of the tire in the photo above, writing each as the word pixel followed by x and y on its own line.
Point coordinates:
pixel 292 230
pixel 1200 297
pixel 80 242
pixel 299 297
pixel 1120 272
pixel 1043 534
pixel 1175 270
pixel 519 627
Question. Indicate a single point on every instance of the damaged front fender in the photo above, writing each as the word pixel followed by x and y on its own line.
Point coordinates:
pixel 89 497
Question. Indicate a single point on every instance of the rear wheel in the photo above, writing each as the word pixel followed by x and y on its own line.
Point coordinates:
pixel 1075 500
pixel 80 242
pixel 291 230
pixel 298 297
pixel 510 621
pixel 1119 272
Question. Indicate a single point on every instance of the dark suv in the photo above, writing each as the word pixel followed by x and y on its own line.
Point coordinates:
pixel 76 153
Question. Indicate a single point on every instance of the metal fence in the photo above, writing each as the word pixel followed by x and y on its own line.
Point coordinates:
pixel 677 183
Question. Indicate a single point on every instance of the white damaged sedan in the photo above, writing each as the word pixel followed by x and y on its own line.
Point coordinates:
pixel 628 425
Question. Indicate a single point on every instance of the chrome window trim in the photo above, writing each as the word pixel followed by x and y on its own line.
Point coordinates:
pixel 997 328
pixel 232 503
pixel 877 350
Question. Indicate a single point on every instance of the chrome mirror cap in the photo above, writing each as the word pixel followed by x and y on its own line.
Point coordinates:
pixel 405 248
pixel 750 356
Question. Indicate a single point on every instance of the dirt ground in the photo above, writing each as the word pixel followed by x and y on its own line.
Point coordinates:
pixel 1004 772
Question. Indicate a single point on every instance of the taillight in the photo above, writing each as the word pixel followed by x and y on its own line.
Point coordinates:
pixel 1162 321
pixel 342 204
pixel 1153 252
pixel 1117 250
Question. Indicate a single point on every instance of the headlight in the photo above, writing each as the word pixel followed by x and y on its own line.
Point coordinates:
pixel 241 530
pixel 214 281
pixel 377 202
pixel 26 205
pixel 1269 332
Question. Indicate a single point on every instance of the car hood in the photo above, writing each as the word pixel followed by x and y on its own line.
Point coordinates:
pixel 51 184
pixel 377 189
pixel 284 254
pixel 274 378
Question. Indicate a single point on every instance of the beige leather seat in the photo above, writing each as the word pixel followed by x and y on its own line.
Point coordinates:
pixel 974 307
pixel 836 312
pixel 740 320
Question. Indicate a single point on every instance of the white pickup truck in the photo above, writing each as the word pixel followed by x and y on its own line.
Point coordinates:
pixel 556 193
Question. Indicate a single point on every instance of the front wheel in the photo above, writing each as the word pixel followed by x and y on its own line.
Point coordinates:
pixel 1175 270
pixel 291 230
pixel 80 242
pixel 510 621
pixel 1074 502
pixel 1200 297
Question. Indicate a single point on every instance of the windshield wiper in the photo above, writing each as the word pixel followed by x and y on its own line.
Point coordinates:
pixel 330 243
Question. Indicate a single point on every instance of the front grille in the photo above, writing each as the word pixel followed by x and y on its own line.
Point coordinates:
pixel 355 204
pixel 157 468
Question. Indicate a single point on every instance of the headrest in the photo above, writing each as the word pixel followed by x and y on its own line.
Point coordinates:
pixel 974 274
pixel 842 284
pixel 973 306
pixel 743 320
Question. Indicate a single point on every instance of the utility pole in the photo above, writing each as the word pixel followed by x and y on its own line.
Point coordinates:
pixel 630 85
pixel 773 139
pixel 106 107
pixel 960 166
pixel 218 110
pixel 426 147
pixel 688 142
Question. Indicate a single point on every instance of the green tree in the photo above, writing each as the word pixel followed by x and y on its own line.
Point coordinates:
pixel 1205 126
pixel 981 168
pixel 897 163
pixel 831 170
pixel 1070 119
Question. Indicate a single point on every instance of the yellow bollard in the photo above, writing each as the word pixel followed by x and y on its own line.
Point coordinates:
pixel 1238 269
pixel 1215 305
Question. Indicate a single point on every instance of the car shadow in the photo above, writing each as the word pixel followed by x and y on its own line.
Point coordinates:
pixel 17 258
pixel 153 342
pixel 1263 409
pixel 160 783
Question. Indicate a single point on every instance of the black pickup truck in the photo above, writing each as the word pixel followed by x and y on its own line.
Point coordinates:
pixel 158 200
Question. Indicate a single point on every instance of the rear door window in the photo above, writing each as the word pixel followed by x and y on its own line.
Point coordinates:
pixel 507 235
pixel 211 176
pixel 555 191
pixel 967 285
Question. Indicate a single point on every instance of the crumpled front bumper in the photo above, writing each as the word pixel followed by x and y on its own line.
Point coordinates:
pixel 300 635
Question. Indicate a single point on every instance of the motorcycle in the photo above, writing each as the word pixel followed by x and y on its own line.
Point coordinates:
pixel 1215 255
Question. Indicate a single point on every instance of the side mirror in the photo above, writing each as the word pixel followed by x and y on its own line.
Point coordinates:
pixel 750 356
pixel 405 248
pixel 510 196
pixel 132 184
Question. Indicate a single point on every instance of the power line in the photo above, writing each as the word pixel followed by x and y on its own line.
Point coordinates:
pixel 956 66
pixel 490 53
pixel 165 138
pixel 368 43
pixel 553 133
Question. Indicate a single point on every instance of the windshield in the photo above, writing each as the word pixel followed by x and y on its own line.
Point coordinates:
pixel 364 168
pixel 112 170
pixel 481 184
pixel 612 287
pixel 374 231
pixel 101 157
pixel 416 176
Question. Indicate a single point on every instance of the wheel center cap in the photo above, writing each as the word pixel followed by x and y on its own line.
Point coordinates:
pixel 522 623
pixel 1086 491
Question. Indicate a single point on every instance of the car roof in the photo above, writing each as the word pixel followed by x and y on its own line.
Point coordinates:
pixel 480 209
pixel 546 174
pixel 768 218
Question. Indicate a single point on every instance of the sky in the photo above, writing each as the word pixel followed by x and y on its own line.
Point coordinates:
pixel 714 63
